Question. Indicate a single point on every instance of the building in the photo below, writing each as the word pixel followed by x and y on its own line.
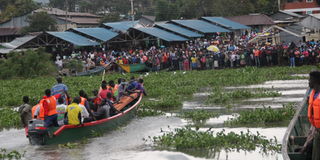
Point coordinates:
pixel 301 6
pixel 65 20
pixel 311 26
pixel 257 22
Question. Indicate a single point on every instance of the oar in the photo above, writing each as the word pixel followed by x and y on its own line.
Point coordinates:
pixel 104 72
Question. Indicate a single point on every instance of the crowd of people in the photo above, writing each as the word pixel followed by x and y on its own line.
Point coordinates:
pixel 56 107
pixel 194 55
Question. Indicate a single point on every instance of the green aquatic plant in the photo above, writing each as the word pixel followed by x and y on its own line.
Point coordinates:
pixel 218 96
pixel 145 111
pixel 198 116
pixel 74 145
pixel 263 116
pixel 9 118
pixel 188 139
pixel 11 155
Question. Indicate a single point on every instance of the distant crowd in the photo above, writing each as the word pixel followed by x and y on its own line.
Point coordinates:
pixel 195 55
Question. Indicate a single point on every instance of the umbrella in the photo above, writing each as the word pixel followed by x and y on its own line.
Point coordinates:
pixel 213 48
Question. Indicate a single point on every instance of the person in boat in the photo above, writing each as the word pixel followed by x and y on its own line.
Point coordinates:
pixel 49 104
pixel 73 114
pixel 61 89
pixel 122 89
pixel 314 107
pixel 61 109
pixel 100 89
pixel 116 87
pixel 84 104
pixel 25 111
pixel 132 86
pixel 37 111
pixel 96 101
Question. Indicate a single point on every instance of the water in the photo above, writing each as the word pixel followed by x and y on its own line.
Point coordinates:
pixel 127 142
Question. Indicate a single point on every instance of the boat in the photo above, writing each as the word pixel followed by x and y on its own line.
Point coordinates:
pixel 130 68
pixel 96 70
pixel 39 135
pixel 296 133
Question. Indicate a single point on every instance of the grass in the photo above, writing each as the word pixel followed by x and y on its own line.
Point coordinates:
pixel 9 118
pixel 225 98
pixel 263 116
pixel 199 116
pixel 182 139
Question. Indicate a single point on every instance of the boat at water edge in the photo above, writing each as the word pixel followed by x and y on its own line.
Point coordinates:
pixel 130 68
pixel 39 135
pixel 296 133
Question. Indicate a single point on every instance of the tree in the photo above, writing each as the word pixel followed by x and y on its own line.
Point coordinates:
pixel 40 21
pixel 110 17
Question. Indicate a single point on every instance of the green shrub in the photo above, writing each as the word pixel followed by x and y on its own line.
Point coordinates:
pixel 27 64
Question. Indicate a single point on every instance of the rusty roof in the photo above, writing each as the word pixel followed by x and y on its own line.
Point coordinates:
pixel 82 20
pixel 252 19
pixel 9 31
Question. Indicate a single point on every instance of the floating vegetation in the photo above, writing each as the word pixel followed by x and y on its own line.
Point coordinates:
pixel 144 111
pixel 74 145
pixel 11 155
pixel 218 96
pixel 182 139
pixel 198 116
pixel 263 116
pixel 9 118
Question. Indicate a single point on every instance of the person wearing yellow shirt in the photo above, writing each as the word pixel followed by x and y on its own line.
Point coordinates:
pixel 74 112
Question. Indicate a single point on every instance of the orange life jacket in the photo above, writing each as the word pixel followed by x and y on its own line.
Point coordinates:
pixel 52 105
pixel 314 109
pixel 83 101
pixel 41 112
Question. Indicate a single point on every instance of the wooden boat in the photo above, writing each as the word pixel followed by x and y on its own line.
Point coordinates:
pixel 67 133
pixel 296 133
pixel 129 68
pixel 94 71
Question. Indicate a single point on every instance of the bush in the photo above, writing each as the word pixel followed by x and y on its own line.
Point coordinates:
pixel 27 64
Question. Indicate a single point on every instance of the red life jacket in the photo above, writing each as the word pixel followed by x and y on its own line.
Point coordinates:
pixel 41 111
pixel 52 106
pixel 314 109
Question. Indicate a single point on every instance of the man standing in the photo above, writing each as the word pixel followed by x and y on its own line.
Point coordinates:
pixel 25 112
pixel 61 89
pixel 49 104
pixel 314 113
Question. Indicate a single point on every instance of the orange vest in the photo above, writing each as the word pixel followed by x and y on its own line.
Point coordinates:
pixel 83 101
pixel 52 105
pixel 314 110
pixel 41 112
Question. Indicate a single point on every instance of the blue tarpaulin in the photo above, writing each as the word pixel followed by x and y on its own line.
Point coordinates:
pixel 101 34
pixel 226 23
pixel 180 30
pixel 162 34
pixel 73 38
pixel 200 26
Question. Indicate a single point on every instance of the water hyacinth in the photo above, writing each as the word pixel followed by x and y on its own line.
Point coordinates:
pixel 263 116
pixel 4 154
pixel 9 118
pixel 188 139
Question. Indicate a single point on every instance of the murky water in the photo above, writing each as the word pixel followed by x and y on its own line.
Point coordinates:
pixel 127 142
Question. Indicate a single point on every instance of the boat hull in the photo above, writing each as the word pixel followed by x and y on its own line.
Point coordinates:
pixel 297 133
pixel 130 68
pixel 69 133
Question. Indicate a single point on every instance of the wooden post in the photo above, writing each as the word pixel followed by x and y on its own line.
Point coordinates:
pixel 316 145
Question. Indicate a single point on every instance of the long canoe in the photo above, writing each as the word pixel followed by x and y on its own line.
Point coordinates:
pixel 129 68
pixel 69 133
pixel 296 133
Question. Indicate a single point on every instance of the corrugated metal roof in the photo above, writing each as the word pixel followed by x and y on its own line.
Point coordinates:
pixel 162 34
pixel 121 26
pixel 74 38
pixel 16 43
pixel 98 33
pixel 226 23
pixel 180 30
pixel 9 31
pixel 82 20
pixel 201 26
pixel 252 19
